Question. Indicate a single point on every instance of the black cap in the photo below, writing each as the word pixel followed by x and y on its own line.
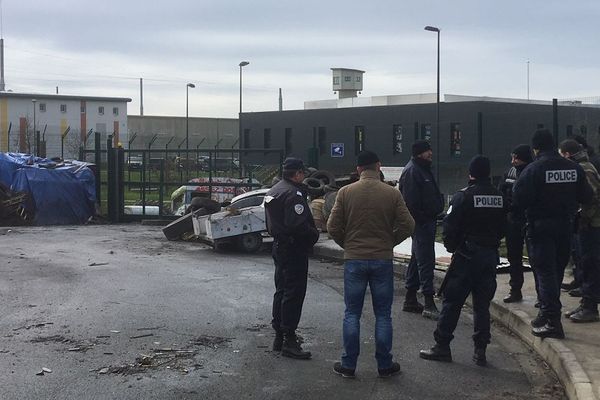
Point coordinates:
pixel 542 139
pixel 293 164
pixel 523 152
pixel 419 147
pixel 366 157
pixel 479 167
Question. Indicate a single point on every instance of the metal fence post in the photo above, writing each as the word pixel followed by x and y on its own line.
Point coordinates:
pixel 98 162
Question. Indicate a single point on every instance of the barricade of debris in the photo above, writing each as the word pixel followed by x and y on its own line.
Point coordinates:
pixel 12 212
pixel 242 223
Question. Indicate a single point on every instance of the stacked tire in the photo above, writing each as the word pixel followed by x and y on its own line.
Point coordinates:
pixel 317 180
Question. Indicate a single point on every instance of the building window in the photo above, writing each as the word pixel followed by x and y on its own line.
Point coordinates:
pixel 267 138
pixel 101 110
pixel 455 139
pixel 583 131
pixel 322 141
pixel 115 110
pixel 358 79
pixel 540 126
pixel 42 107
pixel 246 138
pixel 359 139
pixel 336 80
pixel 347 79
pixel 569 130
pixel 63 108
pixel 397 136
pixel 288 141
pixel 426 132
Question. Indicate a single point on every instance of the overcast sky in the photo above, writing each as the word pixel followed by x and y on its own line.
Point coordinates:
pixel 102 48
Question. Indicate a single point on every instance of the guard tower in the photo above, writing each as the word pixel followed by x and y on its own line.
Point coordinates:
pixel 347 82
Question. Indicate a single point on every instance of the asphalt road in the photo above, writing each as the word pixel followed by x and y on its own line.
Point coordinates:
pixel 118 312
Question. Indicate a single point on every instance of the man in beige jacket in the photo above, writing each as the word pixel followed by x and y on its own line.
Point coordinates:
pixel 368 219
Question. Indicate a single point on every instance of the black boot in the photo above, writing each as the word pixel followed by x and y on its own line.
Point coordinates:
pixel 437 353
pixel 576 292
pixel 538 321
pixel 411 304
pixel 588 312
pixel 278 341
pixel 552 329
pixel 430 310
pixel 569 286
pixel 575 310
pixel 479 356
pixel 513 296
pixel 291 348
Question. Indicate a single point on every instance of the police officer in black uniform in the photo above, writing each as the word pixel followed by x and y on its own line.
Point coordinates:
pixel 550 190
pixel 291 224
pixel 472 230
pixel 515 227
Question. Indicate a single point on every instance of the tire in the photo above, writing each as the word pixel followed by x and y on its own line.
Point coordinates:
pixel 250 242
pixel 325 176
pixel 314 186
pixel 311 171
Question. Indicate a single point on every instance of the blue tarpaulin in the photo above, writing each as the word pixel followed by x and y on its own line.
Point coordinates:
pixel 60 195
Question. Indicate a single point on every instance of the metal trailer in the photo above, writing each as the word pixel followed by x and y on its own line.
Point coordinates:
pixel 246 228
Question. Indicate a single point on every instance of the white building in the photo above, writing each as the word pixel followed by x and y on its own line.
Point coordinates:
pixel 22 114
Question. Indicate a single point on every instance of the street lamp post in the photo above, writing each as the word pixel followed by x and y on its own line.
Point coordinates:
pixel 437 126
pixel 187 126
pixel 242 64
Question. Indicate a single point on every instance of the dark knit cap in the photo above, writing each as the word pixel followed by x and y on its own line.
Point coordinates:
pixel 366 157
pixel 479 167
pixel 542 139
pixel 293 164
pixel 420 146
pixel 523 152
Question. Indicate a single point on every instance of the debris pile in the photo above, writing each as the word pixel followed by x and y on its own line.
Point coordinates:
pixel 12 211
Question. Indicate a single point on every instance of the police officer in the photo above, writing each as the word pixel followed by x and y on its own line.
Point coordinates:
pixel 472 229
pixel 549 191
pixel 515 227
pixel 291 224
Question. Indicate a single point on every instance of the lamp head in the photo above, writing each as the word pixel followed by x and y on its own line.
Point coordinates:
pixel 244 63
pixel 432 29
pixel 191 85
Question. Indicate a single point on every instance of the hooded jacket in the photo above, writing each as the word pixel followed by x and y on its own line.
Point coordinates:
pixel 590 213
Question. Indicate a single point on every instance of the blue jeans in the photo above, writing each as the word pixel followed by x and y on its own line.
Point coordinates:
pixel 379 275
pixel 422 259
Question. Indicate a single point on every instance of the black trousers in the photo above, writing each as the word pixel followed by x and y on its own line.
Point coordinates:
pixel 590 263
pixel 515 239
pixel 291 274
pixel 549 244
pixel 475 275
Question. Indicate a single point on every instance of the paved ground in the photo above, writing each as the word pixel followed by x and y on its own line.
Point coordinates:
pixel 576 359
pixel 119 312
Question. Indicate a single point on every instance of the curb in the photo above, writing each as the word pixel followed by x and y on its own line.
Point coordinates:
pixel 559 357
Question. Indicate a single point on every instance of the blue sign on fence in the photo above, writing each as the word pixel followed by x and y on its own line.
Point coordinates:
pixel 337 149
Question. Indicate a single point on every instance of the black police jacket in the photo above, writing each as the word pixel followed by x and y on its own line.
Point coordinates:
pixel 420 191
pixel 551 187
pixel 289 219
pixel 506 186
pixel 477 214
